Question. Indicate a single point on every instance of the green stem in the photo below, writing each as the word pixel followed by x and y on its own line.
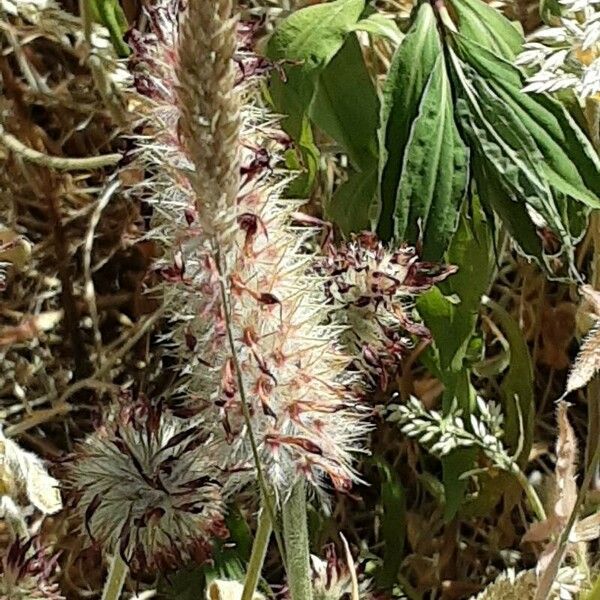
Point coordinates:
pixel 534 500
pixel 259 551
pixel 295 531
pixel 116 578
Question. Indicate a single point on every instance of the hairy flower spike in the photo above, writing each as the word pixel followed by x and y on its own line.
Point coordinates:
pixel 145 487
pixel 210 108
pixel 302 398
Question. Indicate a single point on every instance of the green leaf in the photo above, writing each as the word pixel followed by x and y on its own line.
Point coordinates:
pixel 409 73
pixel 314 35
pixel 434 171
pixel 454 465
pixel 346 106
pixel 489 27
pixel 516 388
pixel 509 149
pixel 513 214
pixel 307 41
pixel 379 25
pixel 450 310
pixel 305 158
pixel 393 524
pixel 349 208
pixel 571 164
pixel 530 146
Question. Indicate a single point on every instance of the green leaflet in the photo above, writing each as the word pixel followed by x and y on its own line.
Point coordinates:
pixel 510 150
pixel 327 85
pixel 570 163
pixel 345 105
pixel 513 214
pixel 349 207
pixel 450 310
pixel 314 35
pixel 393 523
pixel 380 25
pixel 307 41
pixel 434 171
pixel 410 70
pixel 480 22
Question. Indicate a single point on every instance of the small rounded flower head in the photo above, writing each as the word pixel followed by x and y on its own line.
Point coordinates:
pixel 27 572
pixel 373 288
pixel 144 486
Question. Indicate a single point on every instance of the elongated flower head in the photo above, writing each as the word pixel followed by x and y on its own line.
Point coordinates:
pixel 144 486
pixel 238 267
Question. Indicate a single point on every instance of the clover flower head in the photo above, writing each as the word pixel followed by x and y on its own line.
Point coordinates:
pixel 144 486
pixel 373 288
pixel 27 572
pixel 332 579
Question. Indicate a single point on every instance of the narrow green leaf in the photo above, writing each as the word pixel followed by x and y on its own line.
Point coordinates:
pixel 410 70
pixel 516 387
pixel 450 311
pixel 393 524
pixel 480 22
pixel 434 171
pixel 453 466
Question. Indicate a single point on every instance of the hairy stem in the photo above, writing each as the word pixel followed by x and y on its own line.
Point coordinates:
pixel 116 578
pixel 295 531
pixel 259 551
pixel 265 492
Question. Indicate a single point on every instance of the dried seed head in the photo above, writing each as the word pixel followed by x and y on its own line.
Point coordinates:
pixel 144 486
pixel 27 572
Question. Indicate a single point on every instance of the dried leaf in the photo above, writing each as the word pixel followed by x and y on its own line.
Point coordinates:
pixel 351 568
pixel 587 362
pixel 566 465
pixel 587 529
pixel 566 497
pixel 30 328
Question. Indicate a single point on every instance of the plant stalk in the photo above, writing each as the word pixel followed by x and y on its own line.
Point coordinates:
pixel 295 531
pixel 532 497
pixel 116 578
pixel 259 551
